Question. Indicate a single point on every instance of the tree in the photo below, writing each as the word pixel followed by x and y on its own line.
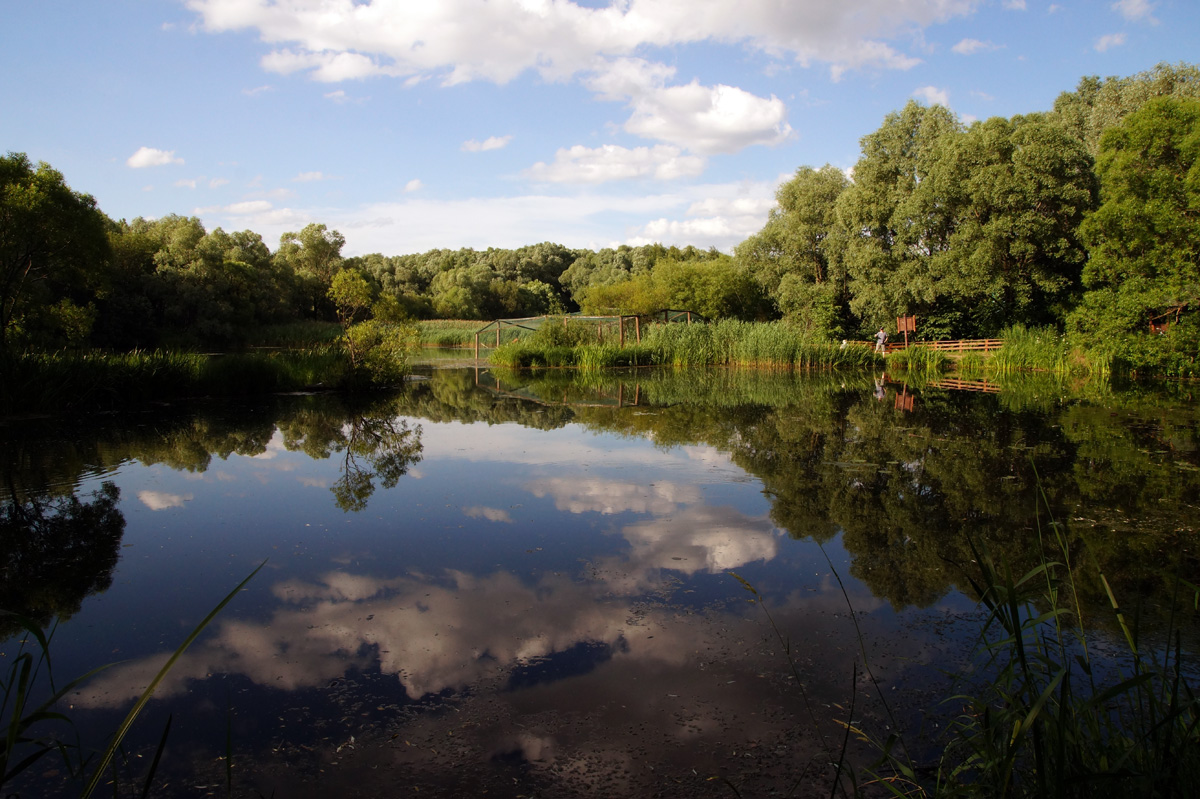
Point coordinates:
pixel 315 256
pixel 797 256
pixel 53 244
pixel 893 229
pixel 1097 105
pixel 1144 239
pixel 1015 192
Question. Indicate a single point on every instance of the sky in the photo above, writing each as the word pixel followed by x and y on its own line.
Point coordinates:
pixel 410 125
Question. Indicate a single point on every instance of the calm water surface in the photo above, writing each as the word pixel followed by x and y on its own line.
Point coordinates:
pixel 526 585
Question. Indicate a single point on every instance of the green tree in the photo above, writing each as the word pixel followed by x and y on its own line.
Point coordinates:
pixel 893 229
pixel 315 256
pixel 53 246
pixel 1099 104
pixel 1015 192
pixel 1144 239
pixel 797 256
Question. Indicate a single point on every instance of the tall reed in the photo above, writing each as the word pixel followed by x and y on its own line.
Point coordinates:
pixel 1045 714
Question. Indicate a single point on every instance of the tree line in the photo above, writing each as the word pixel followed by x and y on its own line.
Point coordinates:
pixel 1085 217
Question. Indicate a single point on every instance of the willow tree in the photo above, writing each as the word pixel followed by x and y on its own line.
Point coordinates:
pixel 1144 239
pixel 797 256
pixel 1013 193
pixel 892 228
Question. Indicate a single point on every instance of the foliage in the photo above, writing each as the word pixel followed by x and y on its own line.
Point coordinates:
pixel 1098 104
pixel 53 250
pixel 1144 238
pixel 797 257
pixel 380 352
pixel 716 288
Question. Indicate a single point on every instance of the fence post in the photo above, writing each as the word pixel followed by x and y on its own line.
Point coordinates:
pixel 477 345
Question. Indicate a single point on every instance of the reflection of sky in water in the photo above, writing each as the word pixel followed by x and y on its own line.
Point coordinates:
pixel 504 550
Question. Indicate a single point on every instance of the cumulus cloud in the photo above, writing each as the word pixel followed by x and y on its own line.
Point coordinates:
pixel 1135 10
pixel 413 185
pixel 581 164
pixel 1108 42
pixel 463 40
pixel 709 119
pixel 490 143
pixel 933 95
pixel 148 156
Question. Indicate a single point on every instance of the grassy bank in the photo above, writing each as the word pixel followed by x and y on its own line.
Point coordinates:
pixel 729 342
pixel 778 345
pixel 46 382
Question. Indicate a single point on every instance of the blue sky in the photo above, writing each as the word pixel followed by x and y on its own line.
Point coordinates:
pixel 411 125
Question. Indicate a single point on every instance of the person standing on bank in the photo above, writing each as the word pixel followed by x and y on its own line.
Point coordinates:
pixel 880 338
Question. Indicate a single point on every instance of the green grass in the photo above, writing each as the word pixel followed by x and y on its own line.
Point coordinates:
pixel 45 382
pixel 768 345
pixel 1043 713
pixel 919 360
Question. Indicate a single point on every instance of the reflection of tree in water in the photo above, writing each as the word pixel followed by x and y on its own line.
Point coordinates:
pixel 55 551
pixel 374 442
pixel 375 448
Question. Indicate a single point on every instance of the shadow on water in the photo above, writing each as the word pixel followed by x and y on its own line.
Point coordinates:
pixel 515 582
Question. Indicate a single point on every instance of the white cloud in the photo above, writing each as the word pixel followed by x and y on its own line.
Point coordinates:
pixel 971 46
pixel 464 40
pixel 184 183
pixel 309 177
pixel 933 95
pixel 413 185
pixel 581 164
pixel 258 90
pixel 1135 10
pixel 709 119
pixel 490 143
pixel 1014 5
pixel 216 183
pixel 160 500
pixel 1109 41
pixel 148 156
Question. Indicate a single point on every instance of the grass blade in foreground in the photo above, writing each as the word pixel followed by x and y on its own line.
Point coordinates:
pixel 107 756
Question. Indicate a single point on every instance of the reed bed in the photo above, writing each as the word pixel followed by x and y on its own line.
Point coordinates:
pixel 1040 349
pixel 919 360
pixel 42 382
pixel 1049 709
pixel 448 332
pixel 296 335
pixel 771 345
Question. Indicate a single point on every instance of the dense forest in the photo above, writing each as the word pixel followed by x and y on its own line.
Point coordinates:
pixel 1084 219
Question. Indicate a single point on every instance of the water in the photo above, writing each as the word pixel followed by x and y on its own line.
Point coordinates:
pixel 526 585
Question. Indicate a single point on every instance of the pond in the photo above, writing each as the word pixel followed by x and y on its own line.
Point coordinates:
pixel 678 584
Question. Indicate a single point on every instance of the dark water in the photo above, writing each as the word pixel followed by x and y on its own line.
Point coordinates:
pixel 525 586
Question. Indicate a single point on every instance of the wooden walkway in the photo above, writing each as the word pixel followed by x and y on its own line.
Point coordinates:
pixel 958 347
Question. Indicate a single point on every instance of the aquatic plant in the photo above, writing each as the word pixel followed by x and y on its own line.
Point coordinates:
pixel 34 729
pixel 1042 713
